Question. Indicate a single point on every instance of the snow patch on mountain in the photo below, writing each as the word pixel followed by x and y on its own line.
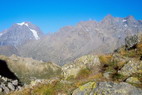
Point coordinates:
pixel 124 20
pixel 35 34
pixel 23 23
pixel 1 34
pixel 125 25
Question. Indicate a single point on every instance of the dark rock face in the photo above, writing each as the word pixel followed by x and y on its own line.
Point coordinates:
pixel 8 80
pixel 5 71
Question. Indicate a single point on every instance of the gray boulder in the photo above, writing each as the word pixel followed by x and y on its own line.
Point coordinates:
pixel 107 88
pixel 110 88
pixel 0 89
pixel 11 86
pixel 15 82
pixel 131 41
pixel 132 67
pixel 6 90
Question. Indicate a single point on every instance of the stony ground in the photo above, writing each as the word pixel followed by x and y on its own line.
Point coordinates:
pixel 8 85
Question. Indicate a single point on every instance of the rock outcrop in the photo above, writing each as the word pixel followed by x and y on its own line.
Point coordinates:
pixel 131 41
pixel 131 67
pixel 8 85
pixel 88 61
pixel 107 88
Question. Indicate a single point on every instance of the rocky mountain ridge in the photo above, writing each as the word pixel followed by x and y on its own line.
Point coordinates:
pixel 86 37
pixel 72 42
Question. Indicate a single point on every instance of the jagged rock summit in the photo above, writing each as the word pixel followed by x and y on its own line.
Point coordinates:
pixel 20 33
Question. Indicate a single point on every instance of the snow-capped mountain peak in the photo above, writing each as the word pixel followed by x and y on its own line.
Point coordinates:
pixel 23 23
pixel 20 33
pixel 34 32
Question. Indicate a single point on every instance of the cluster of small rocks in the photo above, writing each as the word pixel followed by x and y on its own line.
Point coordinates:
pixel 8 85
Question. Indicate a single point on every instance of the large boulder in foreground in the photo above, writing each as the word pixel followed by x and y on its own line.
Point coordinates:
pixel 88 61
pixel 131 41
pixel 107 88
pixel 132 67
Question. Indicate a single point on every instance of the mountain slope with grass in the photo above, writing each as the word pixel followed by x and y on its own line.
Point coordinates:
pixel 27 69
pixel 117 73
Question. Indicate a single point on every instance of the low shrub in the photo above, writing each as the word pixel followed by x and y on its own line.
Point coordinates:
pixel 83 73
pixel 105 59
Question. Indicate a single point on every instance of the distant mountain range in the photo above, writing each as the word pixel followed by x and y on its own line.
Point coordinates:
pixel 27 40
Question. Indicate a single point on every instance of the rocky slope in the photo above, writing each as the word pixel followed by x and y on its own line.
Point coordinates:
pixel 118 73
pixel 8 50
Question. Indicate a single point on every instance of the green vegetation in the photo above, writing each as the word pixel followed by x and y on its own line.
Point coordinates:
pixel 71 77
pixel 132 53
pixel 118 77
pixel 83 73
pixel 105 59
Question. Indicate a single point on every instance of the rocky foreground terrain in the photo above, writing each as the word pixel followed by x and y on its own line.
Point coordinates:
pixel 117 73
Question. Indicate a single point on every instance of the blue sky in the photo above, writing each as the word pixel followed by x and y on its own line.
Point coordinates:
pixel 51 15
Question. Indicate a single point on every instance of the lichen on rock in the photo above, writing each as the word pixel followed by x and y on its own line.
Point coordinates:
pixel 132 67
pixel 85 89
